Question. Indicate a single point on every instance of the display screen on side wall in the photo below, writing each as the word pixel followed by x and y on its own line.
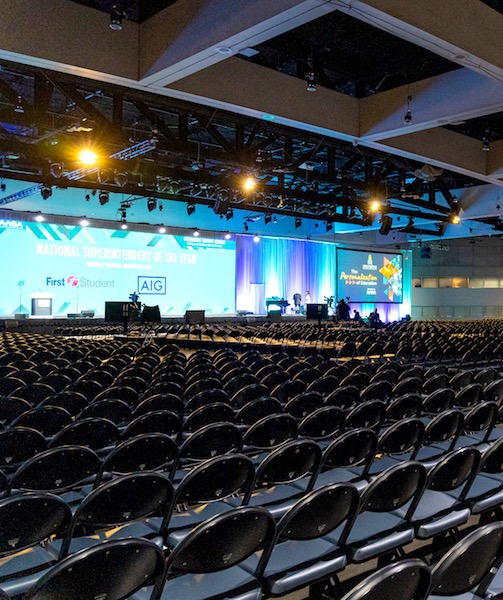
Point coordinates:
pixel 369 277
pixel 74 269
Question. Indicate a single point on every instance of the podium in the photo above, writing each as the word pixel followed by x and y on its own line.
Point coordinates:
pixel 41 304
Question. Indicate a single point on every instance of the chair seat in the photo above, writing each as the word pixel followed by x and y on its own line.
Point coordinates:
pixel 338 475
pixel 449 521
pixel 374 534
pixel 209 586
pixel 137 529
pixel 20 572
pixel 181 523
pixel 466 596
pixel 496 585
pixel 277 498
pixel 297 564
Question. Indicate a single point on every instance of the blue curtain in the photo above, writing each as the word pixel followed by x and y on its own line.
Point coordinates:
pixel 283 267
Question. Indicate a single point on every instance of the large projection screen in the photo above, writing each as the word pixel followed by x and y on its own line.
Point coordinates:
pixel 81 268
pixel 369 277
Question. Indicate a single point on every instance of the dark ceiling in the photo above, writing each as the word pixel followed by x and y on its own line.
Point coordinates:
pixel 349 56
pixel 133 10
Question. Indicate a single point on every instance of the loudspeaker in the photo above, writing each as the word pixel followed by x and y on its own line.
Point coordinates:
pixel 317 311
pixel 194 317
pixel 151 314
pixel 386 223
pixel 275 316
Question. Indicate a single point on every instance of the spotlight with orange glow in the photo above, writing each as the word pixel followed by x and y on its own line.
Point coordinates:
pixel 375 205
pixel 87 157
pixel 455 219
pixel 249 184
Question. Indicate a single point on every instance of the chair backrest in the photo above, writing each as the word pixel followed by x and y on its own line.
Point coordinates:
pixel 468 395
pixel 29 519
pixel 455 471
pixel 437 401
pixel 146 452
pixel 256 409
pixel 210 413
pixel 465 565
pixel 113 570
pixel 323 423
pixel 121 500
pixel 394 487
pixel 211 440
pixel 271 431
pixel 49 420
pixel 492 458
pixel 223 541
pixel 157 421
pixel 353 448
pixel 291 461
pixel 215 479
pixel 445 426
pixel 344 396
pixel 112 409
pixel 57 470
pixel 367 414
pixel 303 404
pixel 402 437
pixel 319 512
pixel 481 417
pixel 405 580
pixel 19 444
pixel 403 407
pixel 95 433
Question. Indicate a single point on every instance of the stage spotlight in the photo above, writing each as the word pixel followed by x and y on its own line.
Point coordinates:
pixel 375 205
pixel 311 82
pixel 196 233
pixel 256 238
pixel 162 229
pixel 229 214
pixel 191 209
pixel 121 179
pixel 249 184
pixel 151 204
pixel 297 222
pixel 87 157
pixel 56 170
pixel 40 218
pixel 46 191
pixel 19 108
pixel 408 115
pixel 486 140
pixel 84 222
pixel 123 225
pixel 104 197
pixel 227 236
pixel 386 224
pixel 456 219
pixel 115 18
pixel 267 218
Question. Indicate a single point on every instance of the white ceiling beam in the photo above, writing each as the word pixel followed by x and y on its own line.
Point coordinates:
pixel 449 98
pixel 192 35
pixel 468 32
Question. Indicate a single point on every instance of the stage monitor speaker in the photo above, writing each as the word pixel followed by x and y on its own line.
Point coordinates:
pixel 275 316
pixel 194 317
pixel 386 224
pixel 116 312
pixel 317 311
pixel 151 314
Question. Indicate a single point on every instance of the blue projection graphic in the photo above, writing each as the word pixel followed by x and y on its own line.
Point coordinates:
pixel 79 268
pixel 369 277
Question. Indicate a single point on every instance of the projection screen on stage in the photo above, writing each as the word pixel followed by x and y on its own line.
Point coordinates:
pixel 69 269
pixel 370 277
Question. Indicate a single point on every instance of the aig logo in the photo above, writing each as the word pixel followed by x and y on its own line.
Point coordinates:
pixel 152 285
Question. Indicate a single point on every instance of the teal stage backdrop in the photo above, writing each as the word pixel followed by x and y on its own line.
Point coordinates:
pixel 69 269
pixel 73 268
